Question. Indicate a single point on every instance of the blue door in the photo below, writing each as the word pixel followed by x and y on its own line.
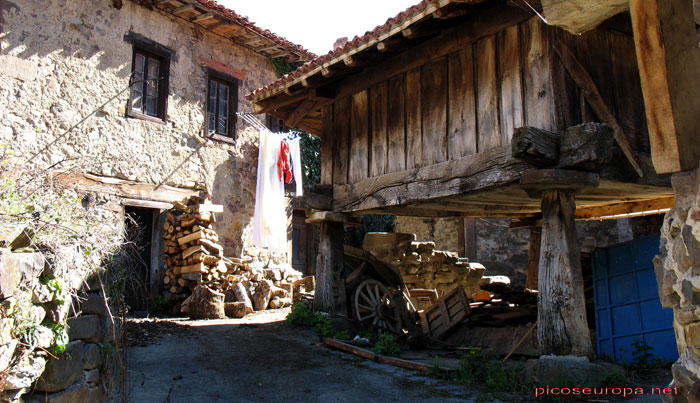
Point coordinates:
pixel 627 302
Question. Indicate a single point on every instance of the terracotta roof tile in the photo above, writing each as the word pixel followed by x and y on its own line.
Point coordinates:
pixel 399 19
pixel 245 22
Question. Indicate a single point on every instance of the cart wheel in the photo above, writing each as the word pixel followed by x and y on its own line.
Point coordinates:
pixel 373 305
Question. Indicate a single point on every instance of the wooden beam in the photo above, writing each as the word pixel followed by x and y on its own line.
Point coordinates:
pixel 443 14
pixel 330 216
pixel 124 188
pixel 577 16
pixel 203 17
pixel 330 295
pixel 350 61
pixel 183 9
pixel 666 43
pixel 588 213
pixel 161 2
pixel 492 20
pixel 561 307
pixel 219 24
pixel 590 91
pixel 536 146
pixel 301 111
pixel 489 169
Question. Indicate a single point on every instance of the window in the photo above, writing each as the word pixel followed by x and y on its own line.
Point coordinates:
pixel 149 79
pixel 222 101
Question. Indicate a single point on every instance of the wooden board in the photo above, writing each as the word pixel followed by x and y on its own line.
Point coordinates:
pixel 592 49
pixel 414 131
pixel 396 124
pixel 568 105
pixel 341 132
pixel 511 82
pixel 487 96
pixel 327 145
pixel 461 132
pixel 446 313
pixel 379 147
pixel 359 131
pixel 539 96
pixel 434 111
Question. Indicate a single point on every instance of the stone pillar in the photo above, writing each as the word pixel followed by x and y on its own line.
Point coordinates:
pixel 678 276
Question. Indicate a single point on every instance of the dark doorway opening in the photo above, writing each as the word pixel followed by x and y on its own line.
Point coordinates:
pixel 140 224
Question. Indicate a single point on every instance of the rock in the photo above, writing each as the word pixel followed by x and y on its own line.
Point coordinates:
pixel 690 293
pixel 16 268
pixel 261 297
pixel 229 296
pixel 206 304
pixel 85 327
pixel 64 370
pixel 7 351
pixel 36 314
pixel 235 309
pixel 665 280
pixel 92 376
pixel 92 357
pixel 6 326
pixel 43 336
pixel 79 392
pixel 41 294
pixel 685 316
pixel 240 294
pixel 25 373
pixel 682 377
pixel 692 245
pixel 57 313
pixel 93 304
pixel 569 371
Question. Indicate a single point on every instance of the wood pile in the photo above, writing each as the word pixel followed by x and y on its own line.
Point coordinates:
pixel 195 258
pixel 506 306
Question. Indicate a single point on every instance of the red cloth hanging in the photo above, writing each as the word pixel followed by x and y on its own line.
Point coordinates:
pixel 283 165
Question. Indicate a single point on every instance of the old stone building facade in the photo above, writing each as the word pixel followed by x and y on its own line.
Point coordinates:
pixel 65 70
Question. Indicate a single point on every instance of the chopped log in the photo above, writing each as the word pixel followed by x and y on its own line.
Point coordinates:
pixel 170 217
pixel 206 304
pixel 179 206
pixel 261 297
pixel 536 146
pixel 188 223
pixel 195 268
pixel 194 276
pixel 210 260
pixel 587 146
pixel 235 309
pixel 209 208
pixel 193 250
pixel 561 314
pixel 166 280
pixel 205 217
pixel 241 295
pixel 211 246
pixel 191 237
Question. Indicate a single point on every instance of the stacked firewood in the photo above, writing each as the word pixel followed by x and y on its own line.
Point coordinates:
pixel 195 259
pixel 192 252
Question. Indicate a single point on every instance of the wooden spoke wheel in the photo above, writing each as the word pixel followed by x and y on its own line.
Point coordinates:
pixel 373 304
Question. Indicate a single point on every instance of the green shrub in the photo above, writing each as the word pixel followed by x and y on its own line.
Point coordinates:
pixel 485 367
pixel 162 305
pixel 300 316
pixel 386 345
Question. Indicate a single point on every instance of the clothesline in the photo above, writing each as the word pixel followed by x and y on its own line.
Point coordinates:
pixel 253 120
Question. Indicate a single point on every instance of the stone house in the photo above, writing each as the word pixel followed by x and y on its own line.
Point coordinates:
pixel 136 101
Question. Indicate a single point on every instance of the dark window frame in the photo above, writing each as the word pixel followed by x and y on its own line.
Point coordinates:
pixel 233 84
pixel 164 55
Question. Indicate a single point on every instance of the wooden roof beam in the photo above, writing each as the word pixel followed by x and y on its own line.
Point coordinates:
pixel 183 9
pixel 668 56
pixel 203 17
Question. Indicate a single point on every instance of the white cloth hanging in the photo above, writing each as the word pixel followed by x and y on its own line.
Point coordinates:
pixel 295 153
pixel 270 219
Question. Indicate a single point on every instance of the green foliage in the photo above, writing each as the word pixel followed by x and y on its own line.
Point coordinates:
pixel 616 380
pixel 370 223
pixel 642 356
pixel 61 294
pixel 300 316
pixel 386 345
pixel 162 305
pixel 485 367
pixel 310 157
pixel 282 66
pixel 60 338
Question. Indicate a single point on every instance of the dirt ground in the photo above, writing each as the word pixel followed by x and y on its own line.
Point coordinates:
pixel 260 359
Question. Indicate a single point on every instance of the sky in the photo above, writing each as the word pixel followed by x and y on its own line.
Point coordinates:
pixel 316 24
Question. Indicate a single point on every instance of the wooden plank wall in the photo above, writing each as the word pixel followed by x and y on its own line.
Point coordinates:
pixel 473 99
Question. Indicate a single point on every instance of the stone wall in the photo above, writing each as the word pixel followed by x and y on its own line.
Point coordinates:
pixel 504 251
pixel 62 59
pixel 678 277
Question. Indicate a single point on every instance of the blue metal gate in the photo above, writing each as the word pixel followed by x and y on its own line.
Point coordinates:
pixel 627 302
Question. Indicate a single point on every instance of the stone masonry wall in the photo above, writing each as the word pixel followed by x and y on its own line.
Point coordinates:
pixel 62 59
pixel 504 251
pixel 678 276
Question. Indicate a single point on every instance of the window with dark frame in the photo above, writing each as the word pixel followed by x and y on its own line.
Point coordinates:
pixel 149 79
pixel 222 103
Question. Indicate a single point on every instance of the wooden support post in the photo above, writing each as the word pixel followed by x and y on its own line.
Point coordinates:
pixel 668 57
pixel 561 311
pixel 330 295
pixel 533 260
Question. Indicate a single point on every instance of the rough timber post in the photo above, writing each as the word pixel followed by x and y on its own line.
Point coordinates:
pixel 533 259
pixel 330 295
pixel 562 328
